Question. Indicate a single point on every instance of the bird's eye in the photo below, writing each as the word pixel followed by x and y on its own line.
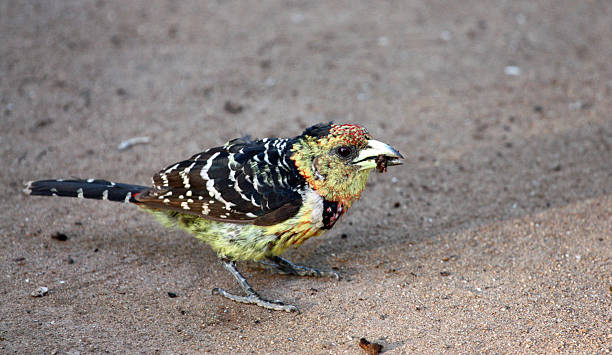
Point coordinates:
pixel 344 151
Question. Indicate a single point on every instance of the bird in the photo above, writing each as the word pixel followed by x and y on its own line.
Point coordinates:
pixel 252 199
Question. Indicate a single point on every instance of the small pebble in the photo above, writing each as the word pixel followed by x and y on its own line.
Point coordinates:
pixel 59 236
pixel 270 82
pixel 265 64
pixel 512 70
pixel 39 292
pixel 232 107
pixel 172 295
pixel 297 18
pixel 383 41
pixel 446 36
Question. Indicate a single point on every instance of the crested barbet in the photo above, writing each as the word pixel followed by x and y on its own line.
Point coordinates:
pixel 250 200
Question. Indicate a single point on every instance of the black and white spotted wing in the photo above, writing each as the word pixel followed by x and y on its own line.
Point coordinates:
pixel 242 182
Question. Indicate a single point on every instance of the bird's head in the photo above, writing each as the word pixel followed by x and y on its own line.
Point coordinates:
pixel 336 159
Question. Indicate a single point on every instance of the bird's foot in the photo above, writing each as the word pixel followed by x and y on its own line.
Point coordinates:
pixel 254 298
pixel 286 267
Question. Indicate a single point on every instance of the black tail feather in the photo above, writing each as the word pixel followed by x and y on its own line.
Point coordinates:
pixel 91 188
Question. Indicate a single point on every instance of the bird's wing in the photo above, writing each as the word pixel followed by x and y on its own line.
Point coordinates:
pixel 242 182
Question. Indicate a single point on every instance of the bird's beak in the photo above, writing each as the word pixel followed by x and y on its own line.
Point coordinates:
pixel 368 158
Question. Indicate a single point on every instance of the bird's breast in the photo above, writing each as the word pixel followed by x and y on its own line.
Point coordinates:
pixel 314 217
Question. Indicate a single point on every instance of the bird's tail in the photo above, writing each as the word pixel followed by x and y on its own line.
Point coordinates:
pixel 90 188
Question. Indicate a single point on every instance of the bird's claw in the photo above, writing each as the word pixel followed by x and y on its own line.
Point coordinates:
pixel 254 298
pixel 286 267
pixel 331 273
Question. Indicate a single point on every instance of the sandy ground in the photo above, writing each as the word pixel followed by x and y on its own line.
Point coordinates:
pixel 495 236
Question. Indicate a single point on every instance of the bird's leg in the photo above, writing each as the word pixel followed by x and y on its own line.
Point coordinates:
pixel 284 266
pixel 252 296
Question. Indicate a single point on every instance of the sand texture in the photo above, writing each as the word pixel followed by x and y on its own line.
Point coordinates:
pixel 495 236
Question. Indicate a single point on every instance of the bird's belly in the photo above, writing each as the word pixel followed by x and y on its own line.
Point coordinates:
pixel 242 241
pixel 293 235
